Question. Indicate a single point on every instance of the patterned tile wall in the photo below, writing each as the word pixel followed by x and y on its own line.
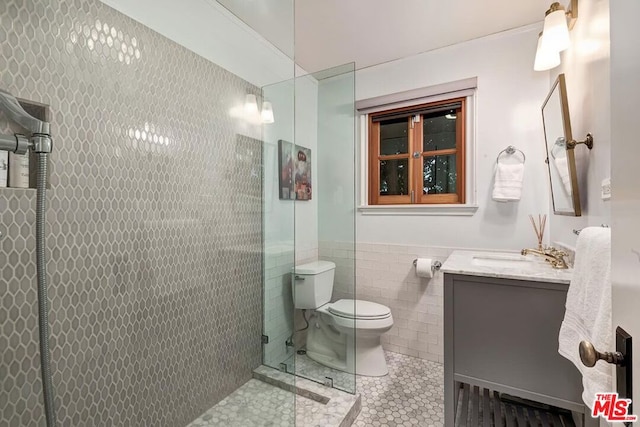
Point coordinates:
pixel 154 224
pixel 385 274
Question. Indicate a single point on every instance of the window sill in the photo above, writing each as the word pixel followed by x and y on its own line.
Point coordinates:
pixel 419 210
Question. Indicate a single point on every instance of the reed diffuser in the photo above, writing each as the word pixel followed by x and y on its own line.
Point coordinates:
pixel 539 228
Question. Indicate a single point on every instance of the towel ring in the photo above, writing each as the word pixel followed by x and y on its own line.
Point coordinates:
pixel 560 142
pixel 510 150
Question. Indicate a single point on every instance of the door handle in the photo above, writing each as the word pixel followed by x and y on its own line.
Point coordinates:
pixel 589 355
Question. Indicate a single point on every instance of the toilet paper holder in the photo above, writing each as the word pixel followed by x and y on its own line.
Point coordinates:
pixel 435 265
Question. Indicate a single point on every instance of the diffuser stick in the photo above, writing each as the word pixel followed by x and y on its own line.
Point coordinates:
pixel 539 228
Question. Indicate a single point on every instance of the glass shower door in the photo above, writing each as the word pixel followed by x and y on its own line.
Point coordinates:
pixel 309 215
pixel 329 98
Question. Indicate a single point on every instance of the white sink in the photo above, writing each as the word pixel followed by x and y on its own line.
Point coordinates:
pixel 503 261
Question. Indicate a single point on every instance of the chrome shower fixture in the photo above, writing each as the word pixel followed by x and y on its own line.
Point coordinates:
pixel 41 144
pixel 40 140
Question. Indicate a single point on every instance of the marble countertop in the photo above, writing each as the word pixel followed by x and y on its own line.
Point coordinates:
pixel 505 265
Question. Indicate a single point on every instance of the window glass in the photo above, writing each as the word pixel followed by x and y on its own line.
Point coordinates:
pixel 394 137
pixel 394 177
pixel 439 175
pixel 439 130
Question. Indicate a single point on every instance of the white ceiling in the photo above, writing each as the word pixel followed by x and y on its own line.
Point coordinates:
pixel 369 32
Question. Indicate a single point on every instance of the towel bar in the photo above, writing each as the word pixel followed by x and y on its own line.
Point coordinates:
pixel 577 232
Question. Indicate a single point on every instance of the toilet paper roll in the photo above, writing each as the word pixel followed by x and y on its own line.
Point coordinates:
pixel 423 267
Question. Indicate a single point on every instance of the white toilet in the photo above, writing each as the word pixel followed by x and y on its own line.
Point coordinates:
pixel 345 334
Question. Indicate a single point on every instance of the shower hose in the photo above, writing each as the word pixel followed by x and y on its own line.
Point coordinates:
pixel 43 299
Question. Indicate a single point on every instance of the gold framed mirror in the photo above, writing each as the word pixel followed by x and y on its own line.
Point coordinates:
pixel 560 145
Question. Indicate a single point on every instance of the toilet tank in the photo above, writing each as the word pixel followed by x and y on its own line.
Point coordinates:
pixel 313 284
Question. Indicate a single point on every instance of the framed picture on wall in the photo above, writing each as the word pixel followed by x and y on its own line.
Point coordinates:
pixel 294 171
pixel 286 166
pixel 302 177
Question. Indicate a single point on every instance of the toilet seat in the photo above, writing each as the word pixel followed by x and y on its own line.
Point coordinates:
pixel 349 322
pixel 359 309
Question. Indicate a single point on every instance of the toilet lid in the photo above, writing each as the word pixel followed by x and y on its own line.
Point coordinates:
pixel 362 309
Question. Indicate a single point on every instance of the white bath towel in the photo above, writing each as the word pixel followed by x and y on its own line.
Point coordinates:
pixel 588 310
pixel 507 186
pixel 562 166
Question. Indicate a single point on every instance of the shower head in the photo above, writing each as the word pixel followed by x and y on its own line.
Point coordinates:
pixel 12 108
pixel 40 139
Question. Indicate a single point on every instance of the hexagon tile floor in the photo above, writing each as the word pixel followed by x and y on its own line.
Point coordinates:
pixel 275 398
pixel 411 395
pixel 254 404
pixel 306 367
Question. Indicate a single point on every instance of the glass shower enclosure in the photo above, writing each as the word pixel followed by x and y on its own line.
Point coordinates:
pixel 309 215
pixel 193 168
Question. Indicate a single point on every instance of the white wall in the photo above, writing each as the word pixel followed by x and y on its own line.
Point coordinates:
pixel 336 136
pixel 306 135
pixel 586 66
pixel 336 156
pixel 508 105
pixel 294 101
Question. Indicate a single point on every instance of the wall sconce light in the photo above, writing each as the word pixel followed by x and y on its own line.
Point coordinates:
pixel 267 112
pixel 250 104
pixel 545 59
pixel 555 35
pixel 253 114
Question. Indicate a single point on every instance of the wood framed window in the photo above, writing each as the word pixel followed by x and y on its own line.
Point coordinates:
pixel 417 154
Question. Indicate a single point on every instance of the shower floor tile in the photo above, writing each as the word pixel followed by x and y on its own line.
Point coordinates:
pixel 411 395
pixel 278 399
pixel 308 368
pixel 339 408
pixel 259 404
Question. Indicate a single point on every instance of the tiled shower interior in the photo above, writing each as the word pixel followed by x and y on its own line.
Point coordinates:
pixel 162 279
pixel 154 225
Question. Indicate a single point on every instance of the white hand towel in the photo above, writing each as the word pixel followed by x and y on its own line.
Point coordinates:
pixel 588 310
pixel 562 166
pixel 508 182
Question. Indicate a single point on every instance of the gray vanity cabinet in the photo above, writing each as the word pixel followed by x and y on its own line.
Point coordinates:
pixel 502 334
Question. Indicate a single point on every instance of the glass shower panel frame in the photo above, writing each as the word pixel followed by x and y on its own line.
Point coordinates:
pixel 278 228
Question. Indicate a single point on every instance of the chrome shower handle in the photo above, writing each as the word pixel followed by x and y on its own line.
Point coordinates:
pixel 12 108
pixel 17 143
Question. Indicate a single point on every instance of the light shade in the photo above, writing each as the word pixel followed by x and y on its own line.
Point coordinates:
pixel 545 59
pixel 267 112
pixel 556 32
pixel 250 104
